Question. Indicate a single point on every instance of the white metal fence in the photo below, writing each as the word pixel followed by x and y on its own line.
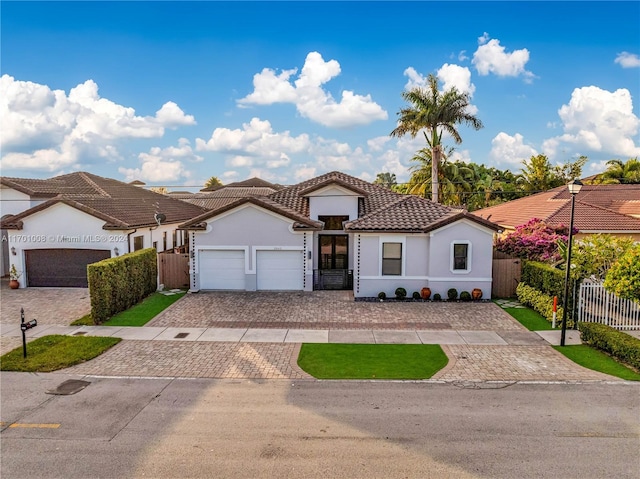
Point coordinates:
pixel 597 305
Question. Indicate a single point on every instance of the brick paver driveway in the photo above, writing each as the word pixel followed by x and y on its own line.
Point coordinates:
pixel 328 310
pixel 50 306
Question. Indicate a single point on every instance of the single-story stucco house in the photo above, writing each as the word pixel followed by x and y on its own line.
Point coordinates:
pixel 339 232
pixel 52 228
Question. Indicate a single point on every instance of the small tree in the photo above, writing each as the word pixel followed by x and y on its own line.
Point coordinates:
pixel 623 278
pixel 593 255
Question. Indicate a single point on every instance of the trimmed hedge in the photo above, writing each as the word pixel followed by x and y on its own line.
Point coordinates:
pixel 116 284
pixel 621 346
pixel 548 280
pixel 540 302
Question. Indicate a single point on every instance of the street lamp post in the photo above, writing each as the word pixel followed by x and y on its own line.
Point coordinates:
pixel 574 189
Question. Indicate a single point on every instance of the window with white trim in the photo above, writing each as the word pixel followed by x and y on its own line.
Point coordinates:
pixel 391 259
pixel 460 257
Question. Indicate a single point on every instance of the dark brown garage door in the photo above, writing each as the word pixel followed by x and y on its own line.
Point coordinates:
pixel 61 267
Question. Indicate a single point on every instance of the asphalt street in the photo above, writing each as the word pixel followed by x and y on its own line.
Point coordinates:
pixel 204 428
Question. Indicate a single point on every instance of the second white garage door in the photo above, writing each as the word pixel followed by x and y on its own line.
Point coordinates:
pixel 279 270
pixel 222 269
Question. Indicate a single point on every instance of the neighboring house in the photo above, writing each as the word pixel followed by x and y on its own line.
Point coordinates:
pixel 608 209
pixel 339 232
pixel 217 196
pixel 73 220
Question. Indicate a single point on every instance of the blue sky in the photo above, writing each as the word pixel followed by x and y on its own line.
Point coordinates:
pixel 172 93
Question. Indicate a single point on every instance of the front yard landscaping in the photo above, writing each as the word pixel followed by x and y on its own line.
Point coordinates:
pixel 50 353
pixel 582 354
pixel 372 361
pixel 137 315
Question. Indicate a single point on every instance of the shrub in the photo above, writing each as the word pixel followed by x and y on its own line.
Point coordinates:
pixel 452 294
pixel 540 302
pixel 116 284
pixel 437 297
pixel 547 279
pixel 401 293
pixel 623 278
pixel 534 240
pixel 465 296
pixel 382 295
pixel 620 345
pixel 416 295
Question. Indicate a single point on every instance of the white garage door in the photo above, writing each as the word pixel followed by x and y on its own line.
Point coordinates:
pixel 222 269
pixel 279 270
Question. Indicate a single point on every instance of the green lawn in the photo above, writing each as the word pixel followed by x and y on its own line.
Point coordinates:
pixel 137 315
pixel 591 358
pixel 50 353
pixel 372 361
pixel 530 319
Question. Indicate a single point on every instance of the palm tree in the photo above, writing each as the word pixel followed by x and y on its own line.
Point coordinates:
pixel 435 112
pixel 386 179
pixel 619 172
pixel 454 179
pixel 213 181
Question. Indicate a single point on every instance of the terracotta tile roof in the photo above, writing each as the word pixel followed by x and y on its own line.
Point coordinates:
pixel 379 208
pixel 251 182
pixel 121 205
pixel 598 208
pixel 223 196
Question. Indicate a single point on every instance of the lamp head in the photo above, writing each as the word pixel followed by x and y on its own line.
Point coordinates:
pixel 574 187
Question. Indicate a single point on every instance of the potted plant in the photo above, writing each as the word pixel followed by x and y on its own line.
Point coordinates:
pixel 14 275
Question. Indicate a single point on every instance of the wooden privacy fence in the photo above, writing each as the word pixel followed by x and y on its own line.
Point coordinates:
pixel 173 269
pixel 597 305
pixel 506 272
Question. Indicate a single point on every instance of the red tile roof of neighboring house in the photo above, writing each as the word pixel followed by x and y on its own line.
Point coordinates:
pixel 121 205
pixel 598 208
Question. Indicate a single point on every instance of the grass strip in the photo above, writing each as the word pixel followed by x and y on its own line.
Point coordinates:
pixel 137 315
pixel 591 358
pixel 372 361
pixel 50 353
pixel 530 319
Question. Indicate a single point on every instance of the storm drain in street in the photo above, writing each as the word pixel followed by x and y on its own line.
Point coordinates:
pixel 181 335
pixel 71 386
pixel 80 333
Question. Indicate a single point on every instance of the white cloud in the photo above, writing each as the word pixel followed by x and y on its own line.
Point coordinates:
pixel 256 143
pixel 160 164
pixel 311 100
pixel 597 120
pixel 46 129
pixel 304 172
pixel 510 150
pixel 628 60
pixel 490 57
pixel 376 144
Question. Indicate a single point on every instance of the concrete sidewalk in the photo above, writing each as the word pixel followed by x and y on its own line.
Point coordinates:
pixel 255 335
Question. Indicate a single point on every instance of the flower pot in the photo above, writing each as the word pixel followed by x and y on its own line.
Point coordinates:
pixel 476 294
pixel 425 293
pixel 14 284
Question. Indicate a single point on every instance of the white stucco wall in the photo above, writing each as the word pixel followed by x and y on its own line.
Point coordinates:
pixel 333 201
pixel 441 274
pixel 250 228
pixel 61 226
pixel 427 261
pixel 12 201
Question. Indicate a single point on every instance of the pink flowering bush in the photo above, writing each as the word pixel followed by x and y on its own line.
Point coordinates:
pixel 535 241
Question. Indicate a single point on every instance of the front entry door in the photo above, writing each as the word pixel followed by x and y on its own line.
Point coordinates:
pixel 333 263
pixel 334 252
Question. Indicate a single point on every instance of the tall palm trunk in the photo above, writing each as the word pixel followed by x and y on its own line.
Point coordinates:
pixel 436 155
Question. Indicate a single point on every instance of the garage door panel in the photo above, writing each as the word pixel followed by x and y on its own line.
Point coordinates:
pixel 62 267
pixel 222 269
pixel 279 270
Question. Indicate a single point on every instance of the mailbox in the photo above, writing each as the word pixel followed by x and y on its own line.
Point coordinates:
pixel 28 325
